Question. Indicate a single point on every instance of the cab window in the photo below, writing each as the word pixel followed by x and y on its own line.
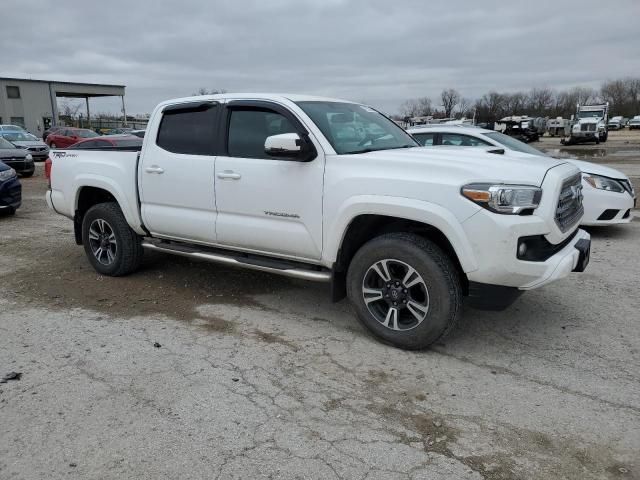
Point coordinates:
pixel 459 140
pixel 249 129
pixel 425 139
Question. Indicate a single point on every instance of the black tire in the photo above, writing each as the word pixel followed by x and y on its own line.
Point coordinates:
pixel 126 256
pixel 27 174
pixel 439 277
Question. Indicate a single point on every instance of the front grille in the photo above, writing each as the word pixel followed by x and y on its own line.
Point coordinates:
pixel 37 149
pixel 570 210
pixel 588 127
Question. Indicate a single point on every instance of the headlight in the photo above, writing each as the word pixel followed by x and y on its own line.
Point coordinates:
pixel 29 157
pixel 505 199
pixel 7 174
pixel 603 183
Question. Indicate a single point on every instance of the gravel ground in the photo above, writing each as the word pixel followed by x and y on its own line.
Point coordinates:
pixel 191 370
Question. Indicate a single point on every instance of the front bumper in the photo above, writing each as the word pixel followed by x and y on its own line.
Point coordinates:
pixel 495 243
pixel 39 156
pixel 606 208
pixel 10 194
pixel 21 165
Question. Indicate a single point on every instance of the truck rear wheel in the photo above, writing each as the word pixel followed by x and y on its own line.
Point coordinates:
pixel 111 246
pixel 405 290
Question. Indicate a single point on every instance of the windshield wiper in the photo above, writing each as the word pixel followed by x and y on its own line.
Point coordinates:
pixel 367 150
pixel 402 146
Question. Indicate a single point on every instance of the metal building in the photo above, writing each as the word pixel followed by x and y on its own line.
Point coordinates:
pixel 33 104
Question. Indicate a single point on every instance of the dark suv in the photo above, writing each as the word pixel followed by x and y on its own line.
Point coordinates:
pixel 10 190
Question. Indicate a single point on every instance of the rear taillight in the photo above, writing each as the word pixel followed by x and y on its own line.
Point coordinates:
pixel 47 170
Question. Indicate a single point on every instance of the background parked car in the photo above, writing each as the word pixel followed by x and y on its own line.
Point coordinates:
pixel 11 128
pixel 10 190
pixel 608 193
pixel 36 147
pixel 51 130
pixel 17 158
pixel 122 141
pixel 634 122
pixel 120 130
pixel 68 136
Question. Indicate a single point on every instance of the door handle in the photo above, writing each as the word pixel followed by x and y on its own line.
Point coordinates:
pixel 154 169
pixel 229 175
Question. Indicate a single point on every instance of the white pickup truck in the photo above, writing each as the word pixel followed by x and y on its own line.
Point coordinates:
pixel 332 191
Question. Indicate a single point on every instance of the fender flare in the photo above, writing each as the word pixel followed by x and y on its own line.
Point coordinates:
pixel 404 208
pixel 110 186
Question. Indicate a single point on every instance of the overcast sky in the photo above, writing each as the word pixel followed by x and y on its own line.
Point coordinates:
pixel 376 51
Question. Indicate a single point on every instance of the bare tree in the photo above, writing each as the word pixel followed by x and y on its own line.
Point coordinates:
pixel 464 107
pixel 204 91
pixel 68 108
pixel 540 101
pixel 450 98
pixel 514 103
pixel 416 107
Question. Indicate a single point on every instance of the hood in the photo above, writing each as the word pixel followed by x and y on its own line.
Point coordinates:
pixel 470 164
pixel 4 167
pixel 588 167
pixel 585 167
pixel 30 143
pixel 12 153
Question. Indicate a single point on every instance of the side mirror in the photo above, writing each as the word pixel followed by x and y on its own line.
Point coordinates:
pixel 288 145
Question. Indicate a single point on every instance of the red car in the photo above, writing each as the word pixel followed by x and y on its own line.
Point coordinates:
pixel 106 141
pixel 68 136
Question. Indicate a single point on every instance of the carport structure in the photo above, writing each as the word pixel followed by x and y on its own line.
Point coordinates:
pixel 86 91
pixel 33 103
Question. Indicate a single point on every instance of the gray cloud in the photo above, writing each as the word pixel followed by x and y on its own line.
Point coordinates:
pixel 377 51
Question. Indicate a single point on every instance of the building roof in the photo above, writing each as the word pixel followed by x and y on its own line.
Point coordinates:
pixel 12 79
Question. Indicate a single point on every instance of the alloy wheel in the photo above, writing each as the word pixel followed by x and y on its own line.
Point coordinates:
pixel 395 294
pixel 103 241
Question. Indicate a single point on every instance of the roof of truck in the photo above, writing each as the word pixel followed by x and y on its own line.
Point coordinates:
pixel 255 96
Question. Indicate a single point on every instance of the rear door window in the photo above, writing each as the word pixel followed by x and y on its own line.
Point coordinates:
pixel 189 130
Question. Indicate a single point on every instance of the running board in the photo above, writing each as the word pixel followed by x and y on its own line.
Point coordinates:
pixel 263 264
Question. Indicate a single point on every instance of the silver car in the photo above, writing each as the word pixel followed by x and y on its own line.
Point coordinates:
pixel 36 147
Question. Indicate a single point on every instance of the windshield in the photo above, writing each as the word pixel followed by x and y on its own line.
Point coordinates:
pixel 18 136
pixel 593 114
pixel 353 128
pixel 85 133
pixel 5 144
pixel 513 144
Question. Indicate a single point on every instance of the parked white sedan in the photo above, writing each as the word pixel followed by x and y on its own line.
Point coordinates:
pixel 609 196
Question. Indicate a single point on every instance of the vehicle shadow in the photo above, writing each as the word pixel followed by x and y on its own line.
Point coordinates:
pixel 609 231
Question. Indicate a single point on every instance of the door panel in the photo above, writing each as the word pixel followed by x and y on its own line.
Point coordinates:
pixel 275 206
pixel 267 204
pixel 176 179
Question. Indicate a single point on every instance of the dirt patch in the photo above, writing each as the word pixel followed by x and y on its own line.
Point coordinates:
pixel 215 324
pixel 273 338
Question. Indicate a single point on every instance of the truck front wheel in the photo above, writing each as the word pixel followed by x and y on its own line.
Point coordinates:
pixel 405 290
pixel 111 246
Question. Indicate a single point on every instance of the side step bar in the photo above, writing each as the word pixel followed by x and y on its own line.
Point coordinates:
pixel 263 264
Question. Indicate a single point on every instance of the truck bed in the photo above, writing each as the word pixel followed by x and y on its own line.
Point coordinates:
pixel 111 169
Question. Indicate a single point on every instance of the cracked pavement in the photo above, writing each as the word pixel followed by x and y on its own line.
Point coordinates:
pixel 259 376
